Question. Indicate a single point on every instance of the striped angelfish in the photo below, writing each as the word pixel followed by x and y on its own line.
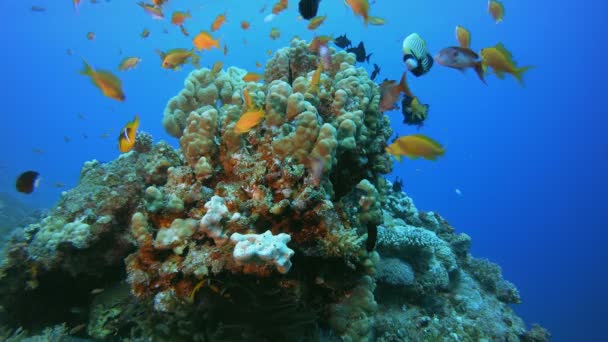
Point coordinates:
pixel 414 50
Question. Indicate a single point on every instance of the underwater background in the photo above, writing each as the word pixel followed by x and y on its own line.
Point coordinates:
pixel 530 162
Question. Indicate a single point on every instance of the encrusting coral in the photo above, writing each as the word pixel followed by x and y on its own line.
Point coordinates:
pixel 287 231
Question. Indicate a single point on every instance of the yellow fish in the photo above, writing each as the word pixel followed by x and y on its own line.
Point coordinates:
pixel 496 10
pixel 247 98
pixel 126 139
pixel 129 63
pixel 376 21
pixel 464 37
pixel 501 61
pixel 415 146
pixel 109 84
pixel 248 120
pixel 315 22
pixel 174 59
pixel 275 33
pixel 203 40
pixel 316 78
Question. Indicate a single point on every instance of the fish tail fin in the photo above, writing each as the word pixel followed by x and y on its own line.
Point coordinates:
pixel 87 70
pixel 403 87
pixel 479 69
pixel 519 74
pixel 195 59
pixel 160 53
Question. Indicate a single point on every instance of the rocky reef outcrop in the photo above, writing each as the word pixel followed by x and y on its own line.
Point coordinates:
pixel 286 232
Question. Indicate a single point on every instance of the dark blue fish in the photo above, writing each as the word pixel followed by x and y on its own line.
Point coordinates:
pixel 375 72
pixel 342 42
pixel 308 8
pixel 359 52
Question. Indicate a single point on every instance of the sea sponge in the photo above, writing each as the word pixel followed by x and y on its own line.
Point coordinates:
pixel 263 249
pixel 176 236
pixel 211 223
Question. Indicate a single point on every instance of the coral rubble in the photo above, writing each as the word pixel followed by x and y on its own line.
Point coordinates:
pixel 286 232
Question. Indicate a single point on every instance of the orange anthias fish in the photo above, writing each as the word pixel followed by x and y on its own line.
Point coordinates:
pixel 203 40
pixel 360 8
pixel 252 77
pixel 248 120
pixel 315 22
pixel 390 91
pixel 316 79
pixel 218 22
pixel 174 59
pixel 90 35
pixel 153 11
pixel 247 99
pixel 415 146
pixel 178 17
pixel 280 6
pixel 245 25
pixel 317 42
pixel 109 84
pixel 159 3
pixel 129 63
pixel 496 10
pixel 501 61
pixel 145 33
pixel 217 67
pixel 225 49
pixel 126 139
pixel 464 37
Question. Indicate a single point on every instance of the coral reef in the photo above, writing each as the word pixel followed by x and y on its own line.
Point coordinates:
pixel 286 232
pixel 13 214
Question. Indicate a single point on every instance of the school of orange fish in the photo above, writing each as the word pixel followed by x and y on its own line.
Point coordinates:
pixel 461 57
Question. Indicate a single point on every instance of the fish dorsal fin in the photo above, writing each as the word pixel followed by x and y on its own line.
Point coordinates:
pixel 135 122
pixel 404 87
pixel 429 140
pixel 503 50
pixel 88 70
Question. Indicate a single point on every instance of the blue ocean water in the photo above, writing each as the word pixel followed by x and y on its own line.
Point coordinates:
pixel 530 163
